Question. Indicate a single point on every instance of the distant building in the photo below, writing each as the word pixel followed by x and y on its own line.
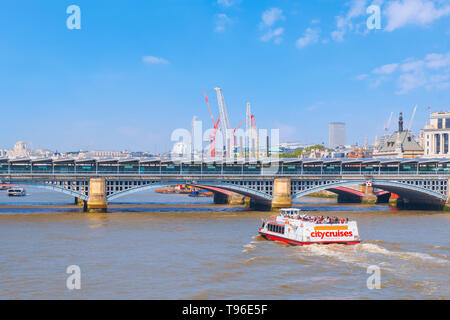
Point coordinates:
pixel 180 148
pixel 21 150
pixel 291 146
pixel 401 144
pixel 336 134
pixel 435 136
pixel 315 153
pixel 103 154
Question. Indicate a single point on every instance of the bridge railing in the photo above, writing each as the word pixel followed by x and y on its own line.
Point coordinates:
pixel 224 173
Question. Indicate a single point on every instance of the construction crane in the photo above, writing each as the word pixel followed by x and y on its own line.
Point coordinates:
pixel 412 118
pixel 225 126
pixel 248 123
pixel 212 136
pixel 388 124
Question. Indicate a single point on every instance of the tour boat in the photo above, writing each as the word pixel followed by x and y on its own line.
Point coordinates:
pixel 16 192
pixel 294 228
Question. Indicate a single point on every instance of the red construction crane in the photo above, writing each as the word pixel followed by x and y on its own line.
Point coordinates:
pixel 212 137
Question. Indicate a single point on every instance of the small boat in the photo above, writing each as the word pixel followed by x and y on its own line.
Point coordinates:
pixel 4 187
pixel 294 228
pixel 16 192
pixel 201 193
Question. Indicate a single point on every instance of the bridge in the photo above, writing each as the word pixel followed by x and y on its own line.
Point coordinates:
pixel 266 182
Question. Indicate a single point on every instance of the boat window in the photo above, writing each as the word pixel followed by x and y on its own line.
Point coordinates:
pixel 275 228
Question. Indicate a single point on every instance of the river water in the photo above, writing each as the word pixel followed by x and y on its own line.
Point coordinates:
pixel 151 246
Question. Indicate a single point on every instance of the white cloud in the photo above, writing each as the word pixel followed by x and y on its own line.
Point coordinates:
pixel 362 76
pixel 273 34
pixel 227 3
pixel 386 69
pixel 311 36
pixel 222 21
pixel 271 16
pixel 411 65
pixel 410 81
pixel 436 61
pixel 431 72
pixel 154 60
pixel 419 12
pixel 345 23
pixel 315 106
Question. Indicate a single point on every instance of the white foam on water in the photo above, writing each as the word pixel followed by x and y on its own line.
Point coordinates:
pixel 373 248
pixel 346 254
pixel 422 256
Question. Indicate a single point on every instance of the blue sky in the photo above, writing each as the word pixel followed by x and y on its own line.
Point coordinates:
pixel 136 69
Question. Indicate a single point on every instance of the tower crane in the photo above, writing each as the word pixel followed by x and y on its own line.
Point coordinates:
pixel 212 137
pixel 225 126
pixel 388 124
pixel 412 118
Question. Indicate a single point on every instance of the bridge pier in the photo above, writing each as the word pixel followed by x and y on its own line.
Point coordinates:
pixel 81 203
pixel 97 196
pixel 369 197
pixel 235 199
pixel 281 194
pixel 447 202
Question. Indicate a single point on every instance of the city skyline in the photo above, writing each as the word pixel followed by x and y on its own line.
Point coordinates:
pixel 133 74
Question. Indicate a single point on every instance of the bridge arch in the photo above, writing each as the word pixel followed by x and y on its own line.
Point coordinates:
pixel 53 187
pixel 242 190
pixel 411 192
pixel 207 185
pixel 404 190
pixel 326 187
pixel 135 190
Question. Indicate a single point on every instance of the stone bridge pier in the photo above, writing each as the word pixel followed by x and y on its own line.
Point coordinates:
pixel 231 198
pixel 97 196
pixel 282 197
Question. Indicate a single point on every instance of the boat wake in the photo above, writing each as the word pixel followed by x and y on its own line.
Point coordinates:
pixel 366 254
pixel 409 256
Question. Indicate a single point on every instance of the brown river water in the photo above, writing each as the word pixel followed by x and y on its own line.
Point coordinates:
pixel 151 246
